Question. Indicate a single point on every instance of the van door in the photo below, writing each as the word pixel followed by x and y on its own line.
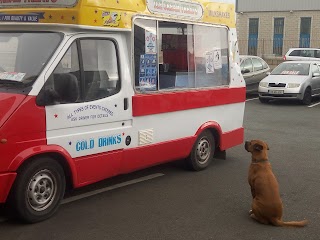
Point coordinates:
pixel 87 104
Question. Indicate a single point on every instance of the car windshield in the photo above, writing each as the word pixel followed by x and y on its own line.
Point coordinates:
pixel 292 69
pixel 23 55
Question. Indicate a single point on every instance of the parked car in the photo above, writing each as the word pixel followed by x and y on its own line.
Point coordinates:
pixel 302 54
pixel 253 69
pixel 292 80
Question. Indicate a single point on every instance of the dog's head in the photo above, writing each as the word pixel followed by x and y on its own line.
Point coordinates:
pixel 258 150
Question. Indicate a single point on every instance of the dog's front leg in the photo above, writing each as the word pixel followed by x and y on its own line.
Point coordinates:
pixel 253 193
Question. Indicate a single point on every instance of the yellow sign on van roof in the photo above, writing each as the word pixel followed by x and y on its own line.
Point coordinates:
pixel 113 13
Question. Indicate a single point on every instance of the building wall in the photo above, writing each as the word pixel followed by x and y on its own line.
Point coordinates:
pixel 266 30
pixel 276 5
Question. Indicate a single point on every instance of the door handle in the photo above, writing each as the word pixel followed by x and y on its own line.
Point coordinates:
pixel 125 103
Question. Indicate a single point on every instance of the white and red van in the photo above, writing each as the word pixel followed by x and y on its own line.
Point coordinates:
pixel 91 89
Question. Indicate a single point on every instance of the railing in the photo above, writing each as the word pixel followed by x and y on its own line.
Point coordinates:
pixel 274 47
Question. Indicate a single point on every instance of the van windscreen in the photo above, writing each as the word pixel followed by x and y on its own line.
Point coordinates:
pixel 23 55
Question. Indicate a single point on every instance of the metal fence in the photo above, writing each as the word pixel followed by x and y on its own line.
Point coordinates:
pixel 274 47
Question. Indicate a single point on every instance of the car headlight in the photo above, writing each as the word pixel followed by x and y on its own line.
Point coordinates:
pixel 263 84
pixel 293 85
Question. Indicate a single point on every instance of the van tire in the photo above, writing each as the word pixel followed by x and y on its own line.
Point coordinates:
pixel 202 152
pixel 37 190
pixel 307 96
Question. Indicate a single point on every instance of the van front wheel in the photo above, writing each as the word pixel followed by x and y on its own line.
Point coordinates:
pixel 38 190
pixel 202 152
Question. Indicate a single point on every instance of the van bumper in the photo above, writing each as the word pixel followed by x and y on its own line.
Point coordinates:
pixel 6 181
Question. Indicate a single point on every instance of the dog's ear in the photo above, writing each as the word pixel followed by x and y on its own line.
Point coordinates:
pixel 257 147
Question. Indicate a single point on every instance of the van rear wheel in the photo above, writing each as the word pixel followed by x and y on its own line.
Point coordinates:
pixel 202 152
pixel 38 190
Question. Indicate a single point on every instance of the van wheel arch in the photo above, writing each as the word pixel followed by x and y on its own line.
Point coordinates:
pixel 56 157
pixel 216 137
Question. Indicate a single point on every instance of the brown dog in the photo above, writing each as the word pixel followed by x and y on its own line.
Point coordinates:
pixel 266 205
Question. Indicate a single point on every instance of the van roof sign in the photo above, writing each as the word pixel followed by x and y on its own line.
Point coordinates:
pixel 114 13
pixel 37 3
pixel 179 8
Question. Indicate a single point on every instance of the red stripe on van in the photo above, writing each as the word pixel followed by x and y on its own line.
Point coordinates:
pixel 147 104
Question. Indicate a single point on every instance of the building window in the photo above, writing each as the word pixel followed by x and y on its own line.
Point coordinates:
pixel 278 36
pixel 253 36
pixel 305 28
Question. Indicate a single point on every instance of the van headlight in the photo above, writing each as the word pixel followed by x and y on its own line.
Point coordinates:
pixel 293 85
pixel 263 84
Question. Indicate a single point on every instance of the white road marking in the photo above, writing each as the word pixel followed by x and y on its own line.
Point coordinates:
pixel 250 99
pixel 92 193
pixel 313 105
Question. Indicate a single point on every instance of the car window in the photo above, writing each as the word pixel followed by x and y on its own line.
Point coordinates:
pixel 314 69
pixel 264 64
pixel 257 65
pixel 295 53
pixel 100 65
pixel 307 53
pixel 247 64
pixel 317 54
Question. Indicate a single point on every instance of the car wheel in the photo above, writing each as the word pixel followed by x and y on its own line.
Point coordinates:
pixel 307 96
pixel 202 152
pixel 38 190
pixel 263 100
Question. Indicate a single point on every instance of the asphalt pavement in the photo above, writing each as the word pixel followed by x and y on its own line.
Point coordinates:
pixel 168 202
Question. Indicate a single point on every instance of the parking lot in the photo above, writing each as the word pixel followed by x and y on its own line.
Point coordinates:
pixel 168 202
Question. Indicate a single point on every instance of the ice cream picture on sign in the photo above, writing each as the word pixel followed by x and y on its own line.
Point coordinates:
pixel 151 47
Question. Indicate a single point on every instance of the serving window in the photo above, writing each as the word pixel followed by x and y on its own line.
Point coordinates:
pixel 172 56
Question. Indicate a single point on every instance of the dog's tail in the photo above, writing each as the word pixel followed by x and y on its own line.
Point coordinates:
pixel 280 223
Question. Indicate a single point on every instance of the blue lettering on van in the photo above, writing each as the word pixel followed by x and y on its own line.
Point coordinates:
pixel 84 145
pixel 109 140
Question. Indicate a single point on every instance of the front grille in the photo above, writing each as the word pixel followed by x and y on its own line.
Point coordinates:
pixel 277 85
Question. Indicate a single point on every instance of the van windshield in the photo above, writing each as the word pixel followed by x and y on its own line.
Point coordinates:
pixel 23 55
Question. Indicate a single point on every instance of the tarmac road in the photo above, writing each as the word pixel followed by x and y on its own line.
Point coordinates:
pixel 167 202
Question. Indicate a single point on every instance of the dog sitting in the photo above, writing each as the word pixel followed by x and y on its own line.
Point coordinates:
pixel 266 205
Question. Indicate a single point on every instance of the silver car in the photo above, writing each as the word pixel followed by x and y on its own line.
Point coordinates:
pixel 291 80
pixel 253 69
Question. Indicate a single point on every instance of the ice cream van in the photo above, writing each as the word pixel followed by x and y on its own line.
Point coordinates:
pixel 91 89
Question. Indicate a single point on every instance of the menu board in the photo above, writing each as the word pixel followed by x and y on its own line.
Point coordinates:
pixel 148 72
